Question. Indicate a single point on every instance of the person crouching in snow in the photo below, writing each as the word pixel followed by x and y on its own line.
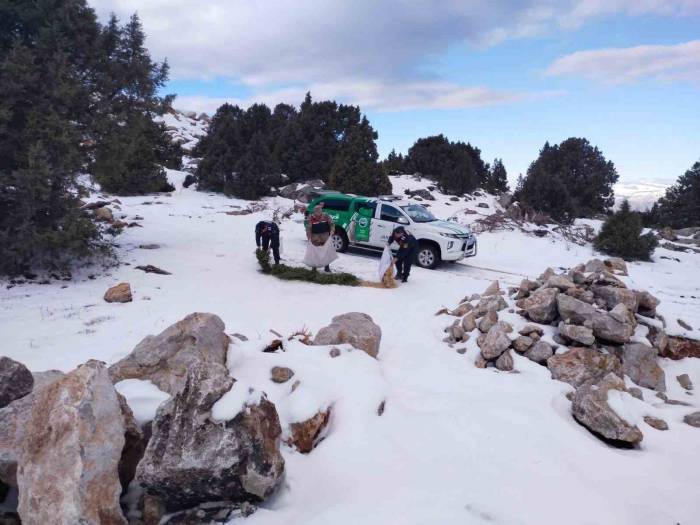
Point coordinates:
pixel 267 235
pixel 319 229
pixel 407 252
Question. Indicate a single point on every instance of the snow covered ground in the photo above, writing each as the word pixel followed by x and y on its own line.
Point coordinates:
pixel 455 445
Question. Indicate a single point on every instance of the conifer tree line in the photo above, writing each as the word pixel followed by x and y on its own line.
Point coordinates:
pixel 456 167
pixel 680 206
pixel 248 152
pixel 76 97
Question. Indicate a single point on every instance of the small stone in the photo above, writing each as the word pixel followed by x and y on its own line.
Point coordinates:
pixel 149 268
pixel 693 419
pixel 295 385
pixel 486 322
pixel 684 324
pixel 655 422
pixel 381 407
pixel 539 352
pixel 685 382
pixel 505 361
pixel 121 293
pixel 281 374
pixel 522 343
pixel 636 392
pixel 495 343
pixel 334 352
pixel 149 246
pixel 462 350
pixel 492 289
pixel 469 322
pixel 578 334
pixel 529 329
pixel 480 362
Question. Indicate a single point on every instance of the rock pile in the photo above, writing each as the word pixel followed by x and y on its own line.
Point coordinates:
pixel 71 446
pixel 587 327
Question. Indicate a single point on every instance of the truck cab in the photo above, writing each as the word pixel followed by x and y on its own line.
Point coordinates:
pixel 368 222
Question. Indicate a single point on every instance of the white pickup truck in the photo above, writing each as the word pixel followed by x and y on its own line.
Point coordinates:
pixel 367 222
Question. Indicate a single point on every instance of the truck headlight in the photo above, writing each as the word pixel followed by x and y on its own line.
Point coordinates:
pixel 450 245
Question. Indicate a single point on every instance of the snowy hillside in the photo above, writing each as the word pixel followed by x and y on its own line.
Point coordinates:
pixel 185 127
pixel 641 196
pixel 452 443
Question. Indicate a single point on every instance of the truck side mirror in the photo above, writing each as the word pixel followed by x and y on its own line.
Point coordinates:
pixel 403 220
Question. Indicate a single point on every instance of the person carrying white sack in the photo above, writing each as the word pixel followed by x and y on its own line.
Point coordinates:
pixel 319 229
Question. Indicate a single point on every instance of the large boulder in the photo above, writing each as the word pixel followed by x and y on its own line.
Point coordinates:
pixel 73 443
pixel 301 191
pixel 16 381
pixel 616 326
pixel 14 419
pixel 165 359
pixel 541 305
pixel 192 458
pixel 357 329
pixel 590 408
pixel 581 365
pixel 639 362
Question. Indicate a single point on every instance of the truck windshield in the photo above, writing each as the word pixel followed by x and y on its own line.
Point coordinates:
pixel 418 213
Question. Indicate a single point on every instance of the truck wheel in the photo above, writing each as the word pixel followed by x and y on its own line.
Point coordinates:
pixel 428 256
pixel 339 240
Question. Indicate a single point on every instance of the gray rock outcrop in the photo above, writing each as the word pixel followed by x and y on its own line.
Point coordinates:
pixel 357 329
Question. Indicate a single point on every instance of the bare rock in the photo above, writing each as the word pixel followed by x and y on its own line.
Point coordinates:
pixel 539 352
pixel 616 326
pixel 581 294
pixel 149 268
pixel 480 362
pixel 684 381
pixel 281 374
pixel 121 293
pixel 104 214
pixel 488 320
pixel 581 365
pixel 590 408
pixel 493 302
pixel 355 328
pixel 135 441
pixel 495 343
pixel 684 325
pixel 192 458
pixel 493 289
pixel 616 265
pixel 505 361
pixel 594 265
pixel 611 296
pixel 16 381
pixel 577 334
pixel 74 440
pixel 655 422
pixel 562 282
pixel 680 348
pixel 647 303
pixel 693 419
pixel 165 358
pixel 541 305
pixel 522 343
pixel 530 329
pixel 305 435
pixel 334 352
pixel 14 419
pixel 468 322
pixel 636 392
pixel 639 363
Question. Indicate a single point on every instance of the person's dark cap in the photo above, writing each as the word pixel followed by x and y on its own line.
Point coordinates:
pixel 399 229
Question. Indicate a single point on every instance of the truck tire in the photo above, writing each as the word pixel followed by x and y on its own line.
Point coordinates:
pixel 339 239
pixel 428 256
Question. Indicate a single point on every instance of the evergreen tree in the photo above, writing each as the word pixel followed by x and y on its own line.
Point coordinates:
pixel 621 236
pixel 497 180
pixel 569 180
pixel 355 169
pixel 680 206
pixel 129 82
pixel 255 171
pixel 46 59
pixel 394 163
pixel 456 167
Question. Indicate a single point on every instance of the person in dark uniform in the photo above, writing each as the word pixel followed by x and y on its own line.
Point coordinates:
pixel 406 254
pixel 267 235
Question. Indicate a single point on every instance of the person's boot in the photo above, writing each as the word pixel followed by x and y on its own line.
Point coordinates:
pixel 404 278
pixel 327 268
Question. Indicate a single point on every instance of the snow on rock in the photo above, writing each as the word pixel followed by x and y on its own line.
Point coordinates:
pixel 184 128
pixel 143 397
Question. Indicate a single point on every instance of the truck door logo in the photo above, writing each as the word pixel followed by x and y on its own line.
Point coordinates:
pixel 363 222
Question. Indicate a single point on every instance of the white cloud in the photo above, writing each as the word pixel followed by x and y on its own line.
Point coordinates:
pixel 379 96
pixel 620 65
pixel 380 48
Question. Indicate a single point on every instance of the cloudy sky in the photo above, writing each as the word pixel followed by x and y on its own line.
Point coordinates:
pixel 505 75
